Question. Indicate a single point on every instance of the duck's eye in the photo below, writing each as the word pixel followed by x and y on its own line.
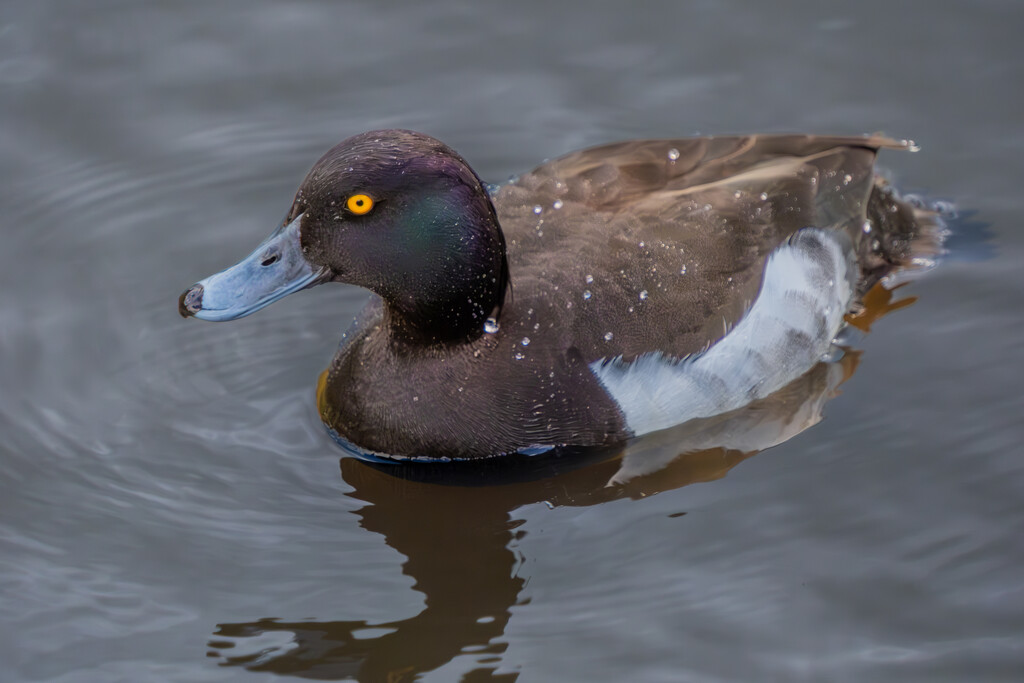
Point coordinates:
pixel 359 204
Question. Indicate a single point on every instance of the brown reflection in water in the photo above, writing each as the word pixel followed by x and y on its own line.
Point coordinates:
pixel 456 541
pixel 460 539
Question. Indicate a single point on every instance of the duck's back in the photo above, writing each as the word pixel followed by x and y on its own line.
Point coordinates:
pixel 661 245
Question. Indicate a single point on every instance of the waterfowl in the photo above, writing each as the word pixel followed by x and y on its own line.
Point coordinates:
pixel 610 293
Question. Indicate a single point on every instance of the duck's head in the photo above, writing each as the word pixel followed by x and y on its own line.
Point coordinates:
pixel 394 211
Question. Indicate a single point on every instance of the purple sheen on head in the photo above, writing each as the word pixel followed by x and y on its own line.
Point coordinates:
pixel 431 247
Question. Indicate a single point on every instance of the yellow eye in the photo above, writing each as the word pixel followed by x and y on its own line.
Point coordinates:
pixel 359 204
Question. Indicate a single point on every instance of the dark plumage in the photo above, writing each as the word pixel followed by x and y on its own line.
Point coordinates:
pixel 619 250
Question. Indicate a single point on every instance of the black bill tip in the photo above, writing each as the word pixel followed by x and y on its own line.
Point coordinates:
pixel 191 301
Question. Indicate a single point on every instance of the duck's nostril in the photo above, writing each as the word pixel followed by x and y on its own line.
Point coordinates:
pixel 270 259
pixel 191 301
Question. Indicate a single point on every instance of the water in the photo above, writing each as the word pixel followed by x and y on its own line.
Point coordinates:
pixel 173 510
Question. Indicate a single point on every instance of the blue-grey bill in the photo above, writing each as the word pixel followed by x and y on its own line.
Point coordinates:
pixel 274 270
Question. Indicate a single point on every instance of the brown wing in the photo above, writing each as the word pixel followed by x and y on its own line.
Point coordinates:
pixel 675 233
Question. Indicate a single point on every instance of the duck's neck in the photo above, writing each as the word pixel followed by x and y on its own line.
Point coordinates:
pixel 457 282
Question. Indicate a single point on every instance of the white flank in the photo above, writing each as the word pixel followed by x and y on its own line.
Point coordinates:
pixel 808 286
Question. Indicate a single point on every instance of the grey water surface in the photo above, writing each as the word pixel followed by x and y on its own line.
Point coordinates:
pixel 171 508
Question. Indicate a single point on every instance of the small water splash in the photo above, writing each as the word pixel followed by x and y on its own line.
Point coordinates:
pixel 586 294
pixel 525 341
pixel 673 155
pixel 557 205
pixel 834 354
pixel 643 295
pixel 608 336
pixel 491 326
pixel 589 279
pixel 538 209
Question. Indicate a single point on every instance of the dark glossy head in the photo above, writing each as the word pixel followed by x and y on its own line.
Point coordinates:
pixel 394 211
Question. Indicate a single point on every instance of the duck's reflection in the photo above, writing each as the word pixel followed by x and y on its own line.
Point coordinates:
pixel 460 538
pixel 456 541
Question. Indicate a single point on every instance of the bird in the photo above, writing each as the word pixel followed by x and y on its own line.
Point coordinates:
pixel 610 293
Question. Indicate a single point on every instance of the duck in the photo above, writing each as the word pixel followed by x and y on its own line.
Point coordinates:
pixel 614 292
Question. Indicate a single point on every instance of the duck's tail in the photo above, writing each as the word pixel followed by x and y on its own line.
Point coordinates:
pixel 903 238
